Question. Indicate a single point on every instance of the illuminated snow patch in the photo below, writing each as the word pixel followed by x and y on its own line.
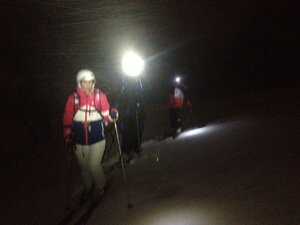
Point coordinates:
pixel 195 132
pixel 176 215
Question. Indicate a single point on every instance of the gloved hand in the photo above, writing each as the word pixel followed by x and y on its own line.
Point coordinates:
pixel 113 113
pixel 68 139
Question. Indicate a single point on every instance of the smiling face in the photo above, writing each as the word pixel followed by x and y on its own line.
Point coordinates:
pixel 87 86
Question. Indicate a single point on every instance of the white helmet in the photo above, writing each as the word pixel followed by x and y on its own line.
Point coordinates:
pixel 85 75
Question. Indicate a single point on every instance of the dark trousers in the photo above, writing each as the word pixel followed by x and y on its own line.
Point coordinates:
pixel 175 118
pixel 131 139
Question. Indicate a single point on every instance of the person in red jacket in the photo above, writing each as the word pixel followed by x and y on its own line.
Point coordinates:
pixel 87 111
pixel 177 97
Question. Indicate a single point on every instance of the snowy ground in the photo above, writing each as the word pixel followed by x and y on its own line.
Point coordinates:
pixel 241 168
pixel 235 172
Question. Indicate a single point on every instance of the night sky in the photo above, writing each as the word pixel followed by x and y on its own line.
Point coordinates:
pixel 221 48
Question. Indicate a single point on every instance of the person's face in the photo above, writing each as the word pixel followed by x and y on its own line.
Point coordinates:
pixel 86 86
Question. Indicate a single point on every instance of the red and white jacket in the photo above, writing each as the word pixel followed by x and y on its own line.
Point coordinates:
pixel 176 98
pixel 87 117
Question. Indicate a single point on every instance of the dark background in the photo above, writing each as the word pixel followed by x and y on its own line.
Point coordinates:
pixel 222 48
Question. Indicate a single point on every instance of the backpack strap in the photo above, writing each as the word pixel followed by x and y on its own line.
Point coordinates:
pixel 97 100
pixel 76 102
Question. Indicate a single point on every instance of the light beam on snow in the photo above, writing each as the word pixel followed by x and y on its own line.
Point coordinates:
pixel 195 132
pixel 132 64
pixel 177 215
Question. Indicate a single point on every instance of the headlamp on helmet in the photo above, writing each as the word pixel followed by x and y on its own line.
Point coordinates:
pixel 177 79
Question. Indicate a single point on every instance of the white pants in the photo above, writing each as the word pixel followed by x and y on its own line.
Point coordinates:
pixel 89 158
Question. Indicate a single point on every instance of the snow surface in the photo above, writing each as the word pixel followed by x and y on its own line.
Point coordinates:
pixel 221 175
pixel 239 170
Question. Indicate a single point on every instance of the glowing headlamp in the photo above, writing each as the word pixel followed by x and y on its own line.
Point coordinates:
pixel 177 79
pixel 132 64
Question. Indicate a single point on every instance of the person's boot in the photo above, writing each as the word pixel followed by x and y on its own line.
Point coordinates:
pixel 130 157
pixel 132 161
pixel 177 132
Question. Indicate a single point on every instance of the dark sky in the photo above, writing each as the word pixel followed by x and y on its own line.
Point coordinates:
pixel 221 47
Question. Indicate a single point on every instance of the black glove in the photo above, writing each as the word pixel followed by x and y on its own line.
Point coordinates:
pixel 113 113
pixel 69 140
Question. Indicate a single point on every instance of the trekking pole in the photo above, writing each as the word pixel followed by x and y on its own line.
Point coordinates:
pixel 129 205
